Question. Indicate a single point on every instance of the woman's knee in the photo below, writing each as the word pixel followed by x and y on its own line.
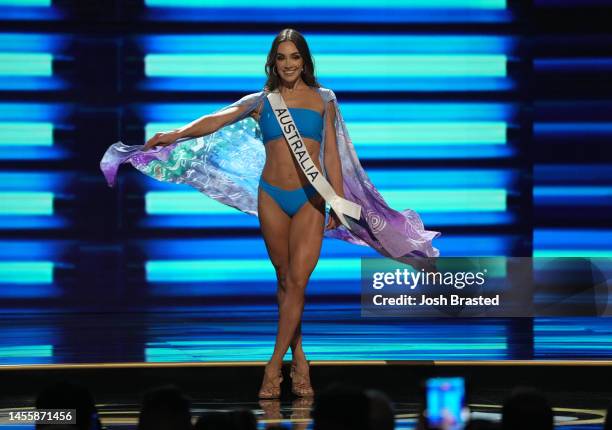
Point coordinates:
pixel 296 282
pixel 281 275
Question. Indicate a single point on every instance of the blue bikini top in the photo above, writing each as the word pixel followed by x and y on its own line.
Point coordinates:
pixel 308 121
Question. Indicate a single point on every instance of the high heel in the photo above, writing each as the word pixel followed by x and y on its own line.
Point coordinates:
pixel 270 389
pixel 300 383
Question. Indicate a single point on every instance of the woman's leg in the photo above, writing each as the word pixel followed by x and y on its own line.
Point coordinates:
pixel 305 238
pixel 274 224
pixel 296 341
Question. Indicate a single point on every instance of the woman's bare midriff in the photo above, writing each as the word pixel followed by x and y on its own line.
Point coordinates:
pixel 281 169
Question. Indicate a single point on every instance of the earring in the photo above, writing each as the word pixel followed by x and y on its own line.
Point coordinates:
pixel 274 70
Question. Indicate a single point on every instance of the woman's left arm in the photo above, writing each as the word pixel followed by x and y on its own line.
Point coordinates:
pixel 333 165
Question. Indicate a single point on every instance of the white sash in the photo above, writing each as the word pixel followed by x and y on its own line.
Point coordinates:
pixel 340 205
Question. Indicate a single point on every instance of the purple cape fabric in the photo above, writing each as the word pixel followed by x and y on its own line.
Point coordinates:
pixel 226 166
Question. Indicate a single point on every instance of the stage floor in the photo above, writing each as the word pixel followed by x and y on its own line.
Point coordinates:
pixel 331 332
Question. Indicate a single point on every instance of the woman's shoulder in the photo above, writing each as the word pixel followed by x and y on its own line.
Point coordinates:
pixel 326 93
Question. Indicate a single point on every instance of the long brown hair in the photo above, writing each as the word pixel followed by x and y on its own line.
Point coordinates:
pixel 291 35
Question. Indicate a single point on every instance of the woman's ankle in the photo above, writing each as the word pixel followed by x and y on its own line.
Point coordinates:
pixel 299 359
pixel 274 365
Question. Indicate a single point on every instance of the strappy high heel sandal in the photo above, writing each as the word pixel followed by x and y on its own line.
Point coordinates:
pixel 270 389
pixel 300 383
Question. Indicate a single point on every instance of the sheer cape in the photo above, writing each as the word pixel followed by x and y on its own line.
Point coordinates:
pixel 226 166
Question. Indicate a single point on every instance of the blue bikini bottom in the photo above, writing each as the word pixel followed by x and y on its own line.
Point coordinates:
pixel 290 201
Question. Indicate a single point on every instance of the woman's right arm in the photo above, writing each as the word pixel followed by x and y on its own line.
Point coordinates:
pixel 202 126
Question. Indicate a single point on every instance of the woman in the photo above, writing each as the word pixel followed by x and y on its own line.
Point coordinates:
pixel 227 164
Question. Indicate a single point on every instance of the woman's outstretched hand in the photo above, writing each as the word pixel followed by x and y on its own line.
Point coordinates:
pixel 163 138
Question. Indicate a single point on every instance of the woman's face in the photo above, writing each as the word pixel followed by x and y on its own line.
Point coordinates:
pixel 289 62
